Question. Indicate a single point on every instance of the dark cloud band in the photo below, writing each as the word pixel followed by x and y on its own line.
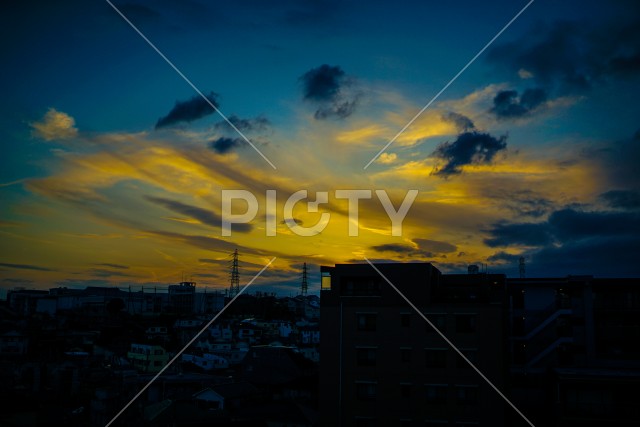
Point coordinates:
pixel 188 111
pixel 468 148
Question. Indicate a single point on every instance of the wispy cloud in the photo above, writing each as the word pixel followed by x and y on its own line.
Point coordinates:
pixel 101 272
pixel 110 265
pixel 204 216
pixel 257 124
pixel 418 249
pixel 25 267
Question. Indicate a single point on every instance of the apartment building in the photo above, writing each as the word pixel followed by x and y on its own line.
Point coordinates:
pixel 383 364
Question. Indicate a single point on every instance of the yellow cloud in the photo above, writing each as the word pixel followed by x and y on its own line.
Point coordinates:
pixel 362 135
pixel 55 125
pixel 430 124
pixel 387 158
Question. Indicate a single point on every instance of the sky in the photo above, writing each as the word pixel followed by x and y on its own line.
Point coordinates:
pixel 113 166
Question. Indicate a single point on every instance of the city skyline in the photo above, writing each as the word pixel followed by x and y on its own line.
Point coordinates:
pixel 113 166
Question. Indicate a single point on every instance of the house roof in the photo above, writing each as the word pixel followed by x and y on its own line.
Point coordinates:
pixel 207 394
pixel 152 411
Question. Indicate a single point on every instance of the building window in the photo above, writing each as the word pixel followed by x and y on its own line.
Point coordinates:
pixel 364 422
pixel 518 323
pixel 405 390
pixel 518 299
pixel 360 286
pixel 465 323
pixel 519 353
pixel 435 357
pixel 366 321
pixel 366 356
pixel 467 394
pixel 589 401
pixel 366 390
pixel 439 320
pixel 405 355
pixel 469 353
pixel 405 320
pixel 436 393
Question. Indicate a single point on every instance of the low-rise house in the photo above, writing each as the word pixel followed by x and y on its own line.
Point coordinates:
pixel 147 358
pixel 310 353
pixel 312 309
pixel 187 324
pixel 250 333
pixel 221 332
pixel 209 399
pixel 207 361
pixel 157 333
pixel 13 343
pixel 309 335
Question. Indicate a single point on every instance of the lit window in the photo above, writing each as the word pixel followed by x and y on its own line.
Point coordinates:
pixel 326 281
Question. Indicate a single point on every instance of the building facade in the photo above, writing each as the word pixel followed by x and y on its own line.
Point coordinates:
pixel 182 297
pixel 574 354
pixel 383 364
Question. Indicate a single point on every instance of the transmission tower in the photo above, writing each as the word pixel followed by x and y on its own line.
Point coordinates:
pixel 234 287
pixel 304 286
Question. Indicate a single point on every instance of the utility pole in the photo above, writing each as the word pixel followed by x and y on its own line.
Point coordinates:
pixel 234 287
pixel 304 284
